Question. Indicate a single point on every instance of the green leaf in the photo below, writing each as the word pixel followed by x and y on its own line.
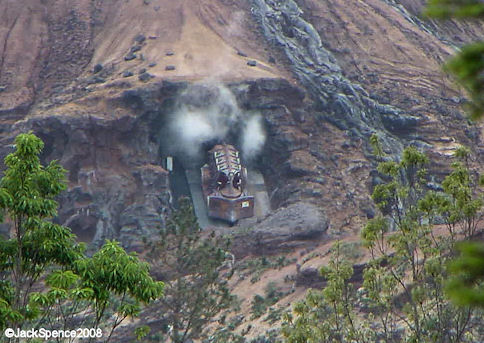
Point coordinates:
pixel 141 332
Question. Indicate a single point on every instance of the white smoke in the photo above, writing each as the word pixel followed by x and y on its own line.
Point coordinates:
pixel 209 114
pixel 192 129
pixel 253 137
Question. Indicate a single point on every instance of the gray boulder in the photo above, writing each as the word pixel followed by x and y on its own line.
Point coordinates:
pixel 289 227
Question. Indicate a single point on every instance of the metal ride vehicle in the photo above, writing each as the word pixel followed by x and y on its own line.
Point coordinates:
pixel 224 182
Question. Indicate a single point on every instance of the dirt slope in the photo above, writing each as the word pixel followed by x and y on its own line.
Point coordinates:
pixel 47 45
pixel 98 79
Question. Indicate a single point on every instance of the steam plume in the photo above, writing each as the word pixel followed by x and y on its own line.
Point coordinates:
pixel 253 137
pixel 207 114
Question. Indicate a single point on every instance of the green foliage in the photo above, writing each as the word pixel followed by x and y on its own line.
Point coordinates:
pixel 27 192
pixel 376 146
pixel 225 335
pixel 455 8
pixel 373 234
pixel 39 252
pixel 468 65
pixel 257 266
pixel 350 251
pixel 141 332
pixel 196 289
pixel 112 270
pixel 260 304
pixel 467 282
pixel 402 296
pixel 462 209
pixel 270 336
pixel 112 280
pixel 411 262
pixel 328 315
pixel 274 315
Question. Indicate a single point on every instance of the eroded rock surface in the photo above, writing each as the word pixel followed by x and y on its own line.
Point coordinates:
pixel 287 228
pixel 100 80
pixel 323 75
pixel 117 187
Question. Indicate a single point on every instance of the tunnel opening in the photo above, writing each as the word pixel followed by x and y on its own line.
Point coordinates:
pixel 196 119
pixel 83 226
pixel 186 181
pixel 178 180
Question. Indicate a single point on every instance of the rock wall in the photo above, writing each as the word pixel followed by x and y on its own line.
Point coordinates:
pixel 324 75
pixel 352 57
pixel 117 187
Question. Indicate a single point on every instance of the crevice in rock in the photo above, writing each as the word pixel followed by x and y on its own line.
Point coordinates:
pixel 5 44
pixel 339 101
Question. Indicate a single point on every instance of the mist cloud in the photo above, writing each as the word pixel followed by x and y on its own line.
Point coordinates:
pixel 207 114
pixel 253 137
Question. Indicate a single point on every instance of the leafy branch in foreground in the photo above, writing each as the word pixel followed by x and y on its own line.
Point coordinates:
pixel 41 255
pixel 468 65
pixel 467 284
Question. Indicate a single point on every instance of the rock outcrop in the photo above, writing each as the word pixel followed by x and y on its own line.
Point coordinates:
pixel 98 80
pixel 287 228
pixel 117 187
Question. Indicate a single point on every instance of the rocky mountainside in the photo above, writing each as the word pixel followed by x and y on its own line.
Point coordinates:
pixel 100 80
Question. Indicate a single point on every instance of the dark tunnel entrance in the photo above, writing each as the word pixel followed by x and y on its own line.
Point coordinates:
pixel 178 180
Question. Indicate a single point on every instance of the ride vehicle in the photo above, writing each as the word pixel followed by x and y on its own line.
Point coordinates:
pixel 224 182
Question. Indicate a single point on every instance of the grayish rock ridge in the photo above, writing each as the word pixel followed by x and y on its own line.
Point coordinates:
pixel 340 101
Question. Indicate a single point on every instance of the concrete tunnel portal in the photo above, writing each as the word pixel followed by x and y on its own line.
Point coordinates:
pixel 187 182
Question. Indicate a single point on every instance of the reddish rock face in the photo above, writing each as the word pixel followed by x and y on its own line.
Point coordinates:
pixel 98 80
